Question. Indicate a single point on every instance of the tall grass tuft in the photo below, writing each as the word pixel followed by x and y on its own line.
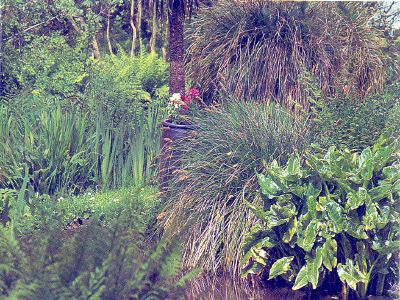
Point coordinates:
pixel 258 48
pixel 217 174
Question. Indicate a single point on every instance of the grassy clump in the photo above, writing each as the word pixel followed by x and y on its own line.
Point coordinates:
pixel 217 174
pixel 258 48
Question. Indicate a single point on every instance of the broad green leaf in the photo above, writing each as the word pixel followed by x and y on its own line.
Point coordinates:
pixel 371 214
pixel 268 186
pixel 292 226
pixel 335 212
pixel 345 185
pixel 355 228
pixel 253 268
pixel 396 186
pixel 301 279
pixel 346 246
pixel 356 199
pixel 313 265
pixel 382 156
pixel 329 254
pixel 350 273
pixel 385 247
pixel 365 164
pixel 293 165
pixel 312 192
pixel 313 162
pixel 257 233
pixel 260 255
pixel 361 257
pixel 380 192
pixel 392 173
pixel 281 266
pixel 277 179
pixel 306 241
pixel 258 211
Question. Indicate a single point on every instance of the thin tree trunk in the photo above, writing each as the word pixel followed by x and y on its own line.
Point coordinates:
pixel 96 51
pixel 177 74
pixel 108 32
pixel 139 22
pixel 134 32
pixel 154 31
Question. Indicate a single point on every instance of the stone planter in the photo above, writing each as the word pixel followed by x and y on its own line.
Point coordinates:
pixel 169 157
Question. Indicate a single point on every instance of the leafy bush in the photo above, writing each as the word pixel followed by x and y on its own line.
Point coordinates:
pixel 257 48
pixel 345 122
pixel 334 213
pixel 217 173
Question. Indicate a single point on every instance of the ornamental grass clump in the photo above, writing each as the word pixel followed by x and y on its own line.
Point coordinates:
pixel 217 174
pixel 235 44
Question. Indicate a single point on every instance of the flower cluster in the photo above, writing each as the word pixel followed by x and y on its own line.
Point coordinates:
pixel 183 108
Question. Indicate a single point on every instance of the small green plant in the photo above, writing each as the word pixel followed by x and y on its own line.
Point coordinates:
pixel 336 212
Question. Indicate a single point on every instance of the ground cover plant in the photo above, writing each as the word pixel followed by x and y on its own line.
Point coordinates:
pixel 110 256
pixel 335 214
pixel 217 173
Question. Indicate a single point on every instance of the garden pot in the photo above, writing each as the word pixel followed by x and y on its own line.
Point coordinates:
pixel 169 157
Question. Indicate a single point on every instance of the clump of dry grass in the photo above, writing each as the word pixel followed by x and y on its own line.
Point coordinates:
pixel 258 48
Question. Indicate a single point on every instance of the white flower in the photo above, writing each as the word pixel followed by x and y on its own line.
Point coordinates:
pixel 91 198
pixel 92 210
pixel 60 199
pixel 89 194
pixel 387 243
pixel 116 200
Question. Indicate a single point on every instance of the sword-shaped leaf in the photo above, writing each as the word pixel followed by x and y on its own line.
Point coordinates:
pixel 329 254
pixel 313 264
pixel 292 226
pixel 301 279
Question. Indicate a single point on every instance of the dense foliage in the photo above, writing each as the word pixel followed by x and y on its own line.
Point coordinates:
pixel 336 212
pixel 347 123
pixel 116 260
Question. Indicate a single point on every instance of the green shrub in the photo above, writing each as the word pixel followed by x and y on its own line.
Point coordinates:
pixel 347 123
pixel 334 213
pixel 217 173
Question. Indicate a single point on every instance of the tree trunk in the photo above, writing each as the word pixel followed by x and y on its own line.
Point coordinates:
pixel 139 22
pixel 176 74
pixel 154 29
pixel 133 29
pixel 108 32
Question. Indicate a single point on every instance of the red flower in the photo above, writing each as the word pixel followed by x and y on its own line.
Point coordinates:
pixel 194 93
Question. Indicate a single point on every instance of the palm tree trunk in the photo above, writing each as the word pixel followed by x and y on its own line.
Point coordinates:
pixel 176 75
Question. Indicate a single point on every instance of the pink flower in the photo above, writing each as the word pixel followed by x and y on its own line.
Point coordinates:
pixel 194 93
